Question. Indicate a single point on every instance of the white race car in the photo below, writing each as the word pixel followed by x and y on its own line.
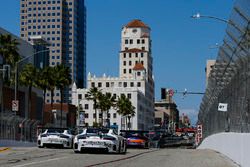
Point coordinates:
pixel 55 137
pixel 100 139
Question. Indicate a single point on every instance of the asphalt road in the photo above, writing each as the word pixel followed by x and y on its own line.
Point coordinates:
pixel 35 157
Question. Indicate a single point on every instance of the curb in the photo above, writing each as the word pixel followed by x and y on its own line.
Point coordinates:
pixel 4 149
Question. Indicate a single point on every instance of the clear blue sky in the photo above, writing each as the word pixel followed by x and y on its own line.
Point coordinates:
pixel 180 45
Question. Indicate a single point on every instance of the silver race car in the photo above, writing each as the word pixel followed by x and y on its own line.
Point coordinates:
pixel 55 137
pixel 100 139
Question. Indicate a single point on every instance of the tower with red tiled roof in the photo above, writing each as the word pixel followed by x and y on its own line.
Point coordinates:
pixel 135 48
pixel 135 81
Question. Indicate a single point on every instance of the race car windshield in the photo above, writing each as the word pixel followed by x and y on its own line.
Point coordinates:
pixel 97 131
pixel 55 131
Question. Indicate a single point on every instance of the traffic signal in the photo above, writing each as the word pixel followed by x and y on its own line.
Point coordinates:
pixel 6 72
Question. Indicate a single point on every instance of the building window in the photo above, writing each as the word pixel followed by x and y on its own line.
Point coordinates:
pixel 142 41
pixel 139 73
pixel 138 84
pixel 136 54
pixel 112 84
pixel 124 71
pixel 138 41
pixel 124 63
pixel 131 84
pixel 125 84
pixel 100 115
pixel 129 95
pixel 131 41
pixel 141 54
pixel 130 71
pixel 79 96
pixel 130 63
pixel 130 55
pixel 114 115
pixel 107 84
pixel 99 84
pixel 143 48
pixel 120 84
pixel 124 55
pixel 108 115
pixel 126 41
pixel 86 106
pixel 86 115
pixel 92 84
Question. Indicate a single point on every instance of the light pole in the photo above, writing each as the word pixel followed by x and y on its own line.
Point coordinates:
pixel 198 16
pixel 16 70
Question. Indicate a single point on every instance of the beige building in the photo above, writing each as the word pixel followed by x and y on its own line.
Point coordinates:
pixel 167 105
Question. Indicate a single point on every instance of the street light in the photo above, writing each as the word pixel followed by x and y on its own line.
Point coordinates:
pixel 198 16
pixel 23 59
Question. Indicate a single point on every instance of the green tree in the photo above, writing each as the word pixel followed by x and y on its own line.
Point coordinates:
pixel 63 80
pixel 106 101
pixel 42 82
pixel 50 71
pixel 94 94
pixel 9 51
pixel 27 79
pixel 125 108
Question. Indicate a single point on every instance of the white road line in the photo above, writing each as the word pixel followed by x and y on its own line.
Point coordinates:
pixel 39 162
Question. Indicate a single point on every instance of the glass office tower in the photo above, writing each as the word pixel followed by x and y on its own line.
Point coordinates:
pixel 63 24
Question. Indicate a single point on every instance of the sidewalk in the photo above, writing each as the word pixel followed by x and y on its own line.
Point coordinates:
pixel 15 143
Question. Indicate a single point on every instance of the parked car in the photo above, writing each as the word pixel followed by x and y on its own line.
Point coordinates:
pixel 103 139
pixel 136 138
pixel 55 137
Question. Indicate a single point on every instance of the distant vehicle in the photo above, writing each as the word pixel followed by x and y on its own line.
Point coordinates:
pixel 102 139
pixel 55 137
pixel 136 138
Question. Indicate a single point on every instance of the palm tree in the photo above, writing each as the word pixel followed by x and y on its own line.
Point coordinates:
pixel 27 79
pixel 94 94
pixel 125 108
pixel 41 81
pixel 50 71
pixel 101 104
pixel 9 51
pixel 106 101
pixel 63 79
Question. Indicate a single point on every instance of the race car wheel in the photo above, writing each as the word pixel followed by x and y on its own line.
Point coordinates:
pixel 119 148
pixel 76 151
pixel 75 146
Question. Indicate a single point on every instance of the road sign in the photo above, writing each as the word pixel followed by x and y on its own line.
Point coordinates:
pixel 15 105
pixel 222 107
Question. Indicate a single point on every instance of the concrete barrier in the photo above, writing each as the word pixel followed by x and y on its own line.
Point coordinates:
pixel 236 146
pixel 14 143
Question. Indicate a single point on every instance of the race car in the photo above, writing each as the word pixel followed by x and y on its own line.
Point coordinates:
pixel 136 138
pixel 100 139
pixel 55 137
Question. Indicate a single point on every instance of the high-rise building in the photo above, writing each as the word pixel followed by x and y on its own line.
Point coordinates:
pixel 63 24
pixel 135 81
